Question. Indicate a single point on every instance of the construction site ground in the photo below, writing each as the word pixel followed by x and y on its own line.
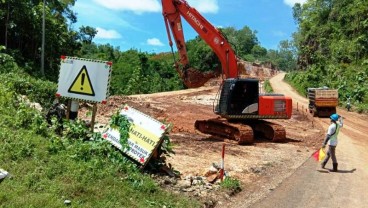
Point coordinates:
pixel 260 167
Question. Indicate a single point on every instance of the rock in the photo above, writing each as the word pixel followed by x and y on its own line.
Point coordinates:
pixel 212 170
pixel 67 202
pixel 183 184
pixel 256 170
pixel 3 174
pixel 212 178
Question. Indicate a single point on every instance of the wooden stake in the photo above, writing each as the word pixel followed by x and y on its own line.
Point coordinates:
pixel 222 171
pixel 68 109
pixel 93 116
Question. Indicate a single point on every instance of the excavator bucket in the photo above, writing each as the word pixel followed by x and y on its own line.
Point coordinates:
pixel 193 78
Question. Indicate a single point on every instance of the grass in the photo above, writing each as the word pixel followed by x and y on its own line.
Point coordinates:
pixel 231 184
pixel 41 177
pixel 47 169
pixel 267 86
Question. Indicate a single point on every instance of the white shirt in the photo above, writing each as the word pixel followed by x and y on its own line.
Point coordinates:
pixel 333 133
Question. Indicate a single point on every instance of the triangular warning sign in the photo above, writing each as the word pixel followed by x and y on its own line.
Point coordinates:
pixel 82 83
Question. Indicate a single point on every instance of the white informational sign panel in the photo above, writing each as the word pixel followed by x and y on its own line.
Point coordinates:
pixel 84 79
pixel 145 135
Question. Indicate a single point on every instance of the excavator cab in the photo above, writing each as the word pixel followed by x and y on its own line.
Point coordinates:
pixel 238 97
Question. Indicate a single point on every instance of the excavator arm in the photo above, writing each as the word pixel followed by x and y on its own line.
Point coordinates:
pixel 172 11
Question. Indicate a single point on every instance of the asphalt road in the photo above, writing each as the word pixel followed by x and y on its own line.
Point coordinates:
pixel 311 186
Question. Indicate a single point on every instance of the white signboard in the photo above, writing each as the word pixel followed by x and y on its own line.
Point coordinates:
pixel 84 79
pixel 145 135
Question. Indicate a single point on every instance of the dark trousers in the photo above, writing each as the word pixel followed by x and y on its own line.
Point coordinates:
pixel 330 153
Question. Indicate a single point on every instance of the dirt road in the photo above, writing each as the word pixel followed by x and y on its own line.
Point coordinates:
pixel 311 186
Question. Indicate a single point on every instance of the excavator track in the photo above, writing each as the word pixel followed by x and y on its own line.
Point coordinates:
pixel 242 132
pixel 239 132
pixel 270 131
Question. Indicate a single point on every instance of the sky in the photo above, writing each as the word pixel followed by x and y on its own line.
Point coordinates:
pixel 139 24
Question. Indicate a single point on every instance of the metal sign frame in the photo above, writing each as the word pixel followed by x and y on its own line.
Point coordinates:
pixel 84 79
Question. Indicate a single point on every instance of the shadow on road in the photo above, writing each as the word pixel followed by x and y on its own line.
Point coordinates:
pixel 347 171
pixel 339 171
pixel 287 140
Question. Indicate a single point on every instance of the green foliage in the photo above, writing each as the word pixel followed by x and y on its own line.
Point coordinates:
pixel 243 40
pixel 122 124
pixel 348 79
pixel 29 118
pixel 80 166
pixel 267 86
pixel 87 34
pixel 167 147
pixel 37 90
pixel 231 184
pixel 331 33
pixel 135 72
pixel 258 51
pixel 76 130
pixel 21 22
pixel 201 56
pixel 7 63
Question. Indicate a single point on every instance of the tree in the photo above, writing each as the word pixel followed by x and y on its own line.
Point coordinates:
pixel 258 51
pixel 242 40
pixel 87 34
pixel 21 21
pixel 286 56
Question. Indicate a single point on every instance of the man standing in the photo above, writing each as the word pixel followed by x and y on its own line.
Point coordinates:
pixel 331 139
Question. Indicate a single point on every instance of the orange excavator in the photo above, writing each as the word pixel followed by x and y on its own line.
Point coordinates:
pixel 240 106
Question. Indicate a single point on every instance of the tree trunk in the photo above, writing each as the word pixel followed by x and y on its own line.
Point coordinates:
pixel 7 25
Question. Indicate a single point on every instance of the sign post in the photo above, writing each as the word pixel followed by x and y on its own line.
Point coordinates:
pixel 84 80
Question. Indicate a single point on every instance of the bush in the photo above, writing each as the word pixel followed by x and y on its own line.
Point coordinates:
pixel 36 90
pixel 350 80
pixel 7 64
pixel 267 87
pixel 231 184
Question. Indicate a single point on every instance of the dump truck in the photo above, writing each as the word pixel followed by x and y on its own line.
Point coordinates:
pixel 322 101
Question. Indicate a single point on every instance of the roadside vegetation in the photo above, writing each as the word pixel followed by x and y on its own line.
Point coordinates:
pixel 332 49
pixel 47 168
pixel 267 86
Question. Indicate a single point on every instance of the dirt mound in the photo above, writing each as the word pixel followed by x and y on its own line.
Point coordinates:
pixel 254 70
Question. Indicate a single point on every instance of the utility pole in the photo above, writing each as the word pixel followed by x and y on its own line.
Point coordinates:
pixel 43 41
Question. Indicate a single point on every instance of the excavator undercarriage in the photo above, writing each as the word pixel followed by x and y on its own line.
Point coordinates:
pixel 242 111
pixel 244 132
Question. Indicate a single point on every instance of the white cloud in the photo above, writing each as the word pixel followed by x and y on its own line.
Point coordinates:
pixel 279 33
pixel 154 42
pixel 107 34
pixel 141 6
pixel 137 6
pixel 204 6
pixel 291 3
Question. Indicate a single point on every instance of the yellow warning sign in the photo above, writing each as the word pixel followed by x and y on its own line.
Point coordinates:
pixel 82 83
